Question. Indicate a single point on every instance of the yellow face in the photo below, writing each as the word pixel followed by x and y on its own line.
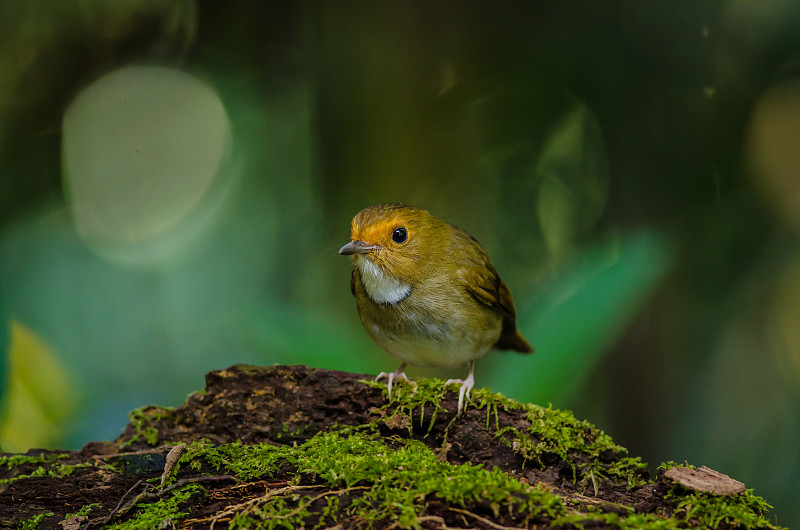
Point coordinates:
pixel 388 234
pixel 398 239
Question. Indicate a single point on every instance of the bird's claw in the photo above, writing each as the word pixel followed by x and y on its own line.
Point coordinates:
pixel 397 374
pixel 463 391
pixel 466 387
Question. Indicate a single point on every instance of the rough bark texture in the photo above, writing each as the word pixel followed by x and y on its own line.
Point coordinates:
pixel 282 406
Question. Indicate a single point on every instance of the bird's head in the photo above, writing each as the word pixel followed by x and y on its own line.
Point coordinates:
pixel 400 240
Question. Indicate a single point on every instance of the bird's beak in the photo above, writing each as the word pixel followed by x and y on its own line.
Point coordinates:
pixel 356 247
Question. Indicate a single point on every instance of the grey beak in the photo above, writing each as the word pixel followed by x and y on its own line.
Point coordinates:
pixel 356 247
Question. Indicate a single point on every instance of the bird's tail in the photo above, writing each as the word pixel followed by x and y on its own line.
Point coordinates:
pixel 513 340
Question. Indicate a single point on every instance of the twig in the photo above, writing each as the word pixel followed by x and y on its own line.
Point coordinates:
pixel 244 485
pixel 231 510
pixel 588 500
pixel 106 518
pixel 594 483
pixel 485 520
pixel 146 495
pixel 143 495
pixel 116 509
pixel 184 481
pixel 435 519
pixel 159 449
pixel 311 501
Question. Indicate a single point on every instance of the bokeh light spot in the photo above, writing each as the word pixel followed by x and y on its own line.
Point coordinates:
pixel 142 147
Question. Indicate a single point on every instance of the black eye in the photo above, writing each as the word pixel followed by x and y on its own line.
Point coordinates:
pixel 400 235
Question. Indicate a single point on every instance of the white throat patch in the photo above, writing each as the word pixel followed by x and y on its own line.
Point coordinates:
pixel 381 288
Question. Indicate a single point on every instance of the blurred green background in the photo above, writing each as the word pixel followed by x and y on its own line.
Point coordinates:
pixel 176 178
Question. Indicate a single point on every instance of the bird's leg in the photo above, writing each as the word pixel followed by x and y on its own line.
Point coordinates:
pixel 397 374
pixel 466 386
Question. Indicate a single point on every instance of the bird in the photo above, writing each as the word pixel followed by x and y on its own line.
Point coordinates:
pixel 427 293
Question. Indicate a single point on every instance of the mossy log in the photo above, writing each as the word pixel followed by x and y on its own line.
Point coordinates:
pixel 297 447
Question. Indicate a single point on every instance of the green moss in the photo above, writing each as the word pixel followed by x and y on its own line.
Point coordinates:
pixel 394 482
pixel 245 461
pixel 153 515
pixel 356 473
pixel 33 522
pixel 745 510
pixel 397 479
pixel 17 460
pixel 693 509
pixel 587 450
pixel 630 469
pixel 279 512
pixel 551 431
pixel 669 464
pixel 409 397
pixel 38 472
pixel 413 471
pixel 614 520
pixel 51 466
pixel 84 511
pixel 142 420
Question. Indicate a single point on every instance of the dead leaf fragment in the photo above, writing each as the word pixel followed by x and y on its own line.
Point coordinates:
pixel 704 479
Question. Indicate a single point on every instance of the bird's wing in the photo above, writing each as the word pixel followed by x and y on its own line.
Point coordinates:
pixel 488 288
pixel 353 281
pixel 481 281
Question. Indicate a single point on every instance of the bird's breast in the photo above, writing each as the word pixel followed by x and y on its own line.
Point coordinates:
pixel 382 288
pixel 429 326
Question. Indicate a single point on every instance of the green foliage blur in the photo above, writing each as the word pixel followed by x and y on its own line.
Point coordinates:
pixel 177 177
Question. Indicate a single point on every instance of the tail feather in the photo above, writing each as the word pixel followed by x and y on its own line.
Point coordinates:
pixel 513 341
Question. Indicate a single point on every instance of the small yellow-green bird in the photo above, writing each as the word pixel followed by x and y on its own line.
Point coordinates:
pixel 427 292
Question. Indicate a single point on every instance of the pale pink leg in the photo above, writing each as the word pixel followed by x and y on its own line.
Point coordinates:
pixel 397 374
pixel 466 386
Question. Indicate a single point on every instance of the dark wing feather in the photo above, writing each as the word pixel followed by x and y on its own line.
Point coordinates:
pixel 482 282
pixel 353 281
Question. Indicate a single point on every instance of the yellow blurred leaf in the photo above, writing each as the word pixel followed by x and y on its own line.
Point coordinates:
pixel 40 396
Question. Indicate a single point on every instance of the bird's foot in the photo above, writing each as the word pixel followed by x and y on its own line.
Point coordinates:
pixel 464 391
pixel 397 374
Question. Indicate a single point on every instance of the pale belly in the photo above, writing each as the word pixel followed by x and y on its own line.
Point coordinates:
pixel 436 348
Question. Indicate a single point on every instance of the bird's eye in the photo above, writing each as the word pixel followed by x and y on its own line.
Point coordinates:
pixel 400 235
